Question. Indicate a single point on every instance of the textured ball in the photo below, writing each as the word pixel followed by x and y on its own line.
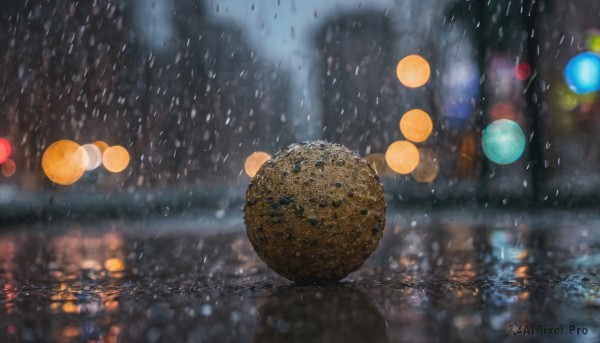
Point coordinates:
pixel 315 212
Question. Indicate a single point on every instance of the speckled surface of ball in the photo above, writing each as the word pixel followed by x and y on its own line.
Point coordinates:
pixel 315 212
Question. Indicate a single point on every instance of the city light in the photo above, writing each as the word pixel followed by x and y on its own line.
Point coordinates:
pixel 565 98
pixel 413 71
pixel 503 141
pixel 115 159
pixel 460 85
pixel 428 168
pixel 582 73
pixel 402 157
pixel 94 156
pixel 8 168
pixel 593 40
pixel 255 161
pixel 101 145
pixel 503 110
pixel 114 265
pixel 5 150
pixel 522 71
pixel 64 162
pixel 416 125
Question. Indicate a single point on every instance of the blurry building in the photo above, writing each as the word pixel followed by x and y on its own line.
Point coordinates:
pixel 188 109
pixel 66 74
pixel 212 102
pixel 358 82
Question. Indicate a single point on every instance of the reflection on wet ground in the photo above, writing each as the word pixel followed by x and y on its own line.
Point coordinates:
pixel 445 277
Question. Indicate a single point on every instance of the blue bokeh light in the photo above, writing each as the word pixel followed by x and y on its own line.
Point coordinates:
pixel 461 88
pixel 582 73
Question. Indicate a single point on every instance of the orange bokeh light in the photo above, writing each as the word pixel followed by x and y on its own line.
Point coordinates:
pixel 64 162
pixel 413 71
pixel 402 157
pixel 115 159
pixel 416 125
pixel 114 265
pixel 9 167
pixel 101 145
pixel 70 307
pixel 255 161
pixel 428 168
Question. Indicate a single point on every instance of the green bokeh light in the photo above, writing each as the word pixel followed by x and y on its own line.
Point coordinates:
pixel 503 141
pixel 593 41
pixel 566 99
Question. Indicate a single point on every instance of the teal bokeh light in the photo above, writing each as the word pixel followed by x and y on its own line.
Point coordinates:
pixel 582 73
pixel 503 141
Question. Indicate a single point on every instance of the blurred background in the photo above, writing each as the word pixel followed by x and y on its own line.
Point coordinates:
pixel 141 123
pixel 116 107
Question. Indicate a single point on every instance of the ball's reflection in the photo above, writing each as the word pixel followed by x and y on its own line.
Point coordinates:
pixel 320 314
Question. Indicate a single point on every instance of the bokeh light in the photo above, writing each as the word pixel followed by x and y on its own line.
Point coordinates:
pixel 70 307
pixel 255 161
pixel 5 150
pixel 416 125
pixel 522 71
pixel 71 331
pixel 64 162
pixel 94 156
pixel 460 89
pixel 503 110
pixel 564 97
pixel 8 168
pixel 593 40
pixel 101 145
pixel 402 157
pixel 582 73
pixel 115 159
pixel 379 165
pixel 428 168
pixel 503 141
pixel 413 71
pixel 500 74
pixel 114 265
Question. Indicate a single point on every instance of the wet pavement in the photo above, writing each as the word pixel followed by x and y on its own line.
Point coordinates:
pixel 438 276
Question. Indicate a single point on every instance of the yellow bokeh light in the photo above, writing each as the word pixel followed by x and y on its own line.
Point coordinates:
pixel 428 168
pixel 64 162
pixel 416 125
pixel 114 265
pixel 70 307
pixel 413 71
pixel 255 161
pixel 9 167
pixel 402 157
pixel 94 156
pixel 115 159
pixel 101 145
